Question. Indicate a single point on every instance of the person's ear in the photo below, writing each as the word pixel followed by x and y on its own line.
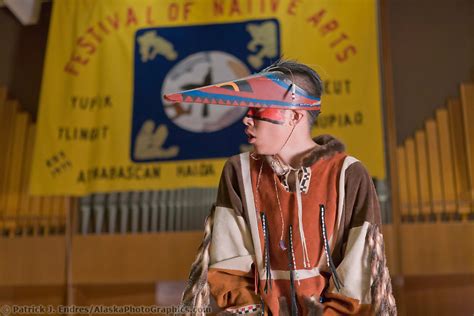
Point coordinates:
pixel 296 117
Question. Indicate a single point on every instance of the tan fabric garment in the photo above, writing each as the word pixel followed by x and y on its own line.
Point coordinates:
pixel 351 207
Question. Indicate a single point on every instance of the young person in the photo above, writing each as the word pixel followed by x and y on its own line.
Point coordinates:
pixel 296 227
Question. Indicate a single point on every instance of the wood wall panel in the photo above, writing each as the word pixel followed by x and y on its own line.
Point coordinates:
pixel 32 294
pixel 467 102
pixel 434 163
pixel 461 174
pixel 402 182
pixel 35 261
pixel 133 258
pixel 437 248
pixel 423 172
pixel 447 168
pixel 439 295
pixel 13 191
pixel 412 172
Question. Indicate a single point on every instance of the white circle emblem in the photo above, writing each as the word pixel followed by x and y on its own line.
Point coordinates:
pixel 197 70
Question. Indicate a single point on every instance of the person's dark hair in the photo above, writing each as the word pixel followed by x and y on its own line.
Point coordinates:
pixel 305 77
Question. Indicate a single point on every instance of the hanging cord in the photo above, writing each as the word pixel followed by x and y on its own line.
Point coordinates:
pixel 262 310
pixel 286 141
pixel 292 266
pixel 257 199
pixel 306 263
pixel 337 281
pixel 268 269
pixel 257 202
pixel 282 241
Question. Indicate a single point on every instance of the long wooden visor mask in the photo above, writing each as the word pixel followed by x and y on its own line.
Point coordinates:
pixel 262 90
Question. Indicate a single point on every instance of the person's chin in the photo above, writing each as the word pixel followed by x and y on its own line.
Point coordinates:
pixel 259 150
pixel 262 151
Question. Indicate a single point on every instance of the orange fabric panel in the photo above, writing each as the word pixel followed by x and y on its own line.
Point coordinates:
pixel 339 304
pixel 323 190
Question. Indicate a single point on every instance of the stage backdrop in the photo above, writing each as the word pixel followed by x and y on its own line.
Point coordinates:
pixel 104 126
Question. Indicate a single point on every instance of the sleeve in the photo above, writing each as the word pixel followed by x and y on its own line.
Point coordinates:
pixel 231 273
pixel 362 265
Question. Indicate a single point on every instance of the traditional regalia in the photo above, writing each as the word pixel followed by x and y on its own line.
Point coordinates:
pixel 282 240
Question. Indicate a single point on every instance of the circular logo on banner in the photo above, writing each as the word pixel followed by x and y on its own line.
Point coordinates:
pixel 197 70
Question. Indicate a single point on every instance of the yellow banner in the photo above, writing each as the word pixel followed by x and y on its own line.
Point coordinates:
pixel 103 125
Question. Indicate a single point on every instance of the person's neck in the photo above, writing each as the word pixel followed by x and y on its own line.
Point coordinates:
pixel 294 150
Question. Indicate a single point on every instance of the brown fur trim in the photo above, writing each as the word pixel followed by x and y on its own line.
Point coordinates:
pixel 329 146
pixel 283 306
pixel 197 293
pixel 383 302
pixel 313 306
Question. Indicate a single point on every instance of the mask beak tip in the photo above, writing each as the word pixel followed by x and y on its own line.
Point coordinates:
pixel 173 97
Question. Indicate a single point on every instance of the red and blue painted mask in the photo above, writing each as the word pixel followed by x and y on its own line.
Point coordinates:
pixel 275 116
pixel 271 90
